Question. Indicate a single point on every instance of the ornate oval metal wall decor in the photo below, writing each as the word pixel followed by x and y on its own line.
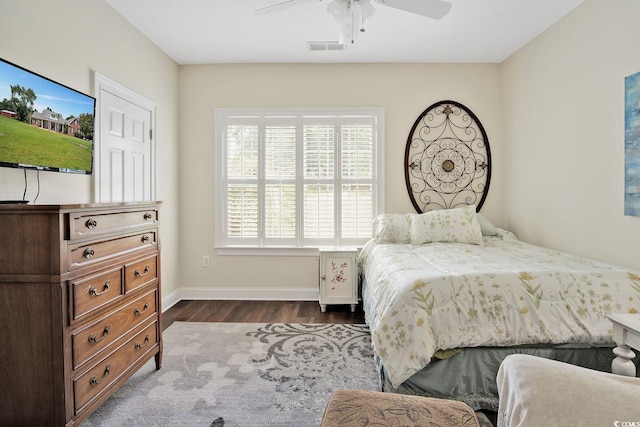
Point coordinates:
pixel 447 159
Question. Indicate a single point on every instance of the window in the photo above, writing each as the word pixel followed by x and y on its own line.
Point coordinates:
pixel 298 178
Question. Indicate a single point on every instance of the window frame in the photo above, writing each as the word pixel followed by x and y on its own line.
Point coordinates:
pixel 257 115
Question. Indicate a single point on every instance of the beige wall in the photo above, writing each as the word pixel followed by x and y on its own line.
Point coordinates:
pixel 564 133
pixel 554 114
pixel 404 90
pixel 67 40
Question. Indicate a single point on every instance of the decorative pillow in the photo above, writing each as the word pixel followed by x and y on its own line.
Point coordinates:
pixel 391 228
pixel 458 225
pixel 488 229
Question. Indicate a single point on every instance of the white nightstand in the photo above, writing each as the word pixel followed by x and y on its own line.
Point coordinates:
pixel 338 276
pixel 626 334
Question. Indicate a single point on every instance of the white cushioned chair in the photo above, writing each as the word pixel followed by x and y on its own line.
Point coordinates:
pixel 539 392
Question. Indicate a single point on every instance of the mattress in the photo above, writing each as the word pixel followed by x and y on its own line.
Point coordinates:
pixel 469 374
pixel 422 300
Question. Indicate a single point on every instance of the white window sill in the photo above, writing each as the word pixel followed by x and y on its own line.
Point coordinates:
pixel 272 251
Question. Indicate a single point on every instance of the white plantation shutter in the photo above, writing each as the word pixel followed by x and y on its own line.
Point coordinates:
pixel 357 177
pixel 242 190
pixel 298 178
pixel 280 183
pixel 318 176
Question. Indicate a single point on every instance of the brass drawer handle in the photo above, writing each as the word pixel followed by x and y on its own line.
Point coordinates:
pixel 89 253
pixel 143 273
pixel 146 341
pixel 93 291
pixel 91 223
pixel 137 311
pixel 147 216
pixel 93 339
pixel 94 380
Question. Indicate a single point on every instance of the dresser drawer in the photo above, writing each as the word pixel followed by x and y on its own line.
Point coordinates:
pixel 88 385
pixel 87 342
pixel 90 253
pixel 90 293
pixel 140 273
pixel 83 224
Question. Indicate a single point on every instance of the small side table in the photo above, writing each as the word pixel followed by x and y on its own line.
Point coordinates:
pixel 626 334
pixel 338 276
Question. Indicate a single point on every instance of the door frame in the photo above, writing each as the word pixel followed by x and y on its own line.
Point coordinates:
pixel 103 83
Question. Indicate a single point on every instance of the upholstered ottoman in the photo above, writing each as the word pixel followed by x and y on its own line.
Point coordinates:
pixel 348 408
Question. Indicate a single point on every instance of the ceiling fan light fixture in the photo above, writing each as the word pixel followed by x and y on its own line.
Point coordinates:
pixel 351 14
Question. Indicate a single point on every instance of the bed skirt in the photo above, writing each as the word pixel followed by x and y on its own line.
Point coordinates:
pixel 470 375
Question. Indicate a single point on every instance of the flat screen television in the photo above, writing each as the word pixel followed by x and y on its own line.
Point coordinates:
pixel 44 125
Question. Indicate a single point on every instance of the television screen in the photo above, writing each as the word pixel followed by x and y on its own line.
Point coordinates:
pixel 44 125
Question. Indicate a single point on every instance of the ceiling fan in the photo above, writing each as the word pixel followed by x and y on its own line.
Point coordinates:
pixel 435 9
pixel 352 13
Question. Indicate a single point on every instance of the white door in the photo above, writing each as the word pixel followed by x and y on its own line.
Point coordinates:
pixel 124 156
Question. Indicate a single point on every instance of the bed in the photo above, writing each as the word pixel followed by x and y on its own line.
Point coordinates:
pixel 448 296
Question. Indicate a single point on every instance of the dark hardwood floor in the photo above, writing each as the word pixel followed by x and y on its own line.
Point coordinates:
pixel 259 312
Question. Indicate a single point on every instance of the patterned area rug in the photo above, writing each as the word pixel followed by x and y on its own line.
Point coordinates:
pixel 243 374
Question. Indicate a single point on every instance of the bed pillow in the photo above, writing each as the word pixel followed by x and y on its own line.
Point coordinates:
pixel 487 228
pixel 459 225
pixel 391 228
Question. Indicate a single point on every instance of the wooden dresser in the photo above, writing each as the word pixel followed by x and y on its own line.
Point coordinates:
pixel 79 307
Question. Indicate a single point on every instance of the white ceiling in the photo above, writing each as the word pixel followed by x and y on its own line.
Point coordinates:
pixel 230 31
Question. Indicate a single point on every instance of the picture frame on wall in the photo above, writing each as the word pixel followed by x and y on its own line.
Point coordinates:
pixel 632 145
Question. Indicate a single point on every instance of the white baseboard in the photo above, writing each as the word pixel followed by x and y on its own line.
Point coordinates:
pixel 259 294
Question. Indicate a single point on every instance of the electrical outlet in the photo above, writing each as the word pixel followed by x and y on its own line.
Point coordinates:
pixel 206 261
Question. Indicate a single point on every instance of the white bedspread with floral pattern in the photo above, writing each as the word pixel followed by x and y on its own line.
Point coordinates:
pixel 442 296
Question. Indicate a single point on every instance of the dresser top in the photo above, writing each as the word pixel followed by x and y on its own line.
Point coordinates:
pixel 11 207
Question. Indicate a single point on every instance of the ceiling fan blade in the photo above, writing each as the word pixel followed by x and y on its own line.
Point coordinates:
pixel 435 9
pixel 273 6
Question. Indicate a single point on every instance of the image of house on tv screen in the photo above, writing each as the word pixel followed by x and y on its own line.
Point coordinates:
pixel 44 125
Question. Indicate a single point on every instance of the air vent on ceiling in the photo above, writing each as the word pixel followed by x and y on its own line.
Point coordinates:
pixel 325 45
